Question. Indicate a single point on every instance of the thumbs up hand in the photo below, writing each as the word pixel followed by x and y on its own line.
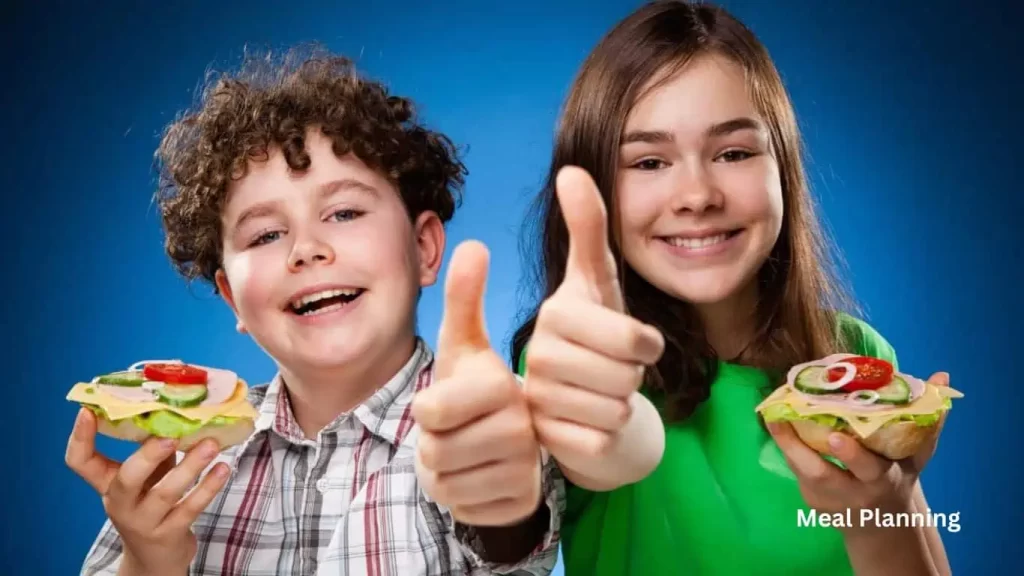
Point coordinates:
pixel 477 452
pixel 586 358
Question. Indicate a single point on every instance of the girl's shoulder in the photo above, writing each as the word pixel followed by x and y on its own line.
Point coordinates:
pixel 859 337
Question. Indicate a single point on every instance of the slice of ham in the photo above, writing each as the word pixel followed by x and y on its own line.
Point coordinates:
pixel 916 385
pixel 841 400
pixel 127 393
pixel 220 385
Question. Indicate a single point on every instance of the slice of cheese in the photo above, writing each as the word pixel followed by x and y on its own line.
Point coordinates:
pixel 236 406
pixel 864 423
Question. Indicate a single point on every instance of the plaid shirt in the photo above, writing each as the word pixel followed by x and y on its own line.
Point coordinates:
pixel 345 503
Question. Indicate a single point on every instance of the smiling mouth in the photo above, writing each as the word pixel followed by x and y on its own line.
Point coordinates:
pixel 324 302
pixel 693 243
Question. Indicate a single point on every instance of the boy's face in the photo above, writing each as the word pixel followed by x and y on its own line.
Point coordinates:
pixel 324 267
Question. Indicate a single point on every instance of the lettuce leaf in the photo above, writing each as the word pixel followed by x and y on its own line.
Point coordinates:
pixel 782 412
pixel 167 424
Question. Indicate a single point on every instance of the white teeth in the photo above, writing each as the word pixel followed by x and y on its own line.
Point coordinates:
pixel 325 310
pixel 694 243
pixel 310 298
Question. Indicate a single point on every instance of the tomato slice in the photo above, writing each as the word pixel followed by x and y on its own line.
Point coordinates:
pixel 174 373
pixel 872 373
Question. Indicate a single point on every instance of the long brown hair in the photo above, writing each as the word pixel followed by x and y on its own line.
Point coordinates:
pixel 799 293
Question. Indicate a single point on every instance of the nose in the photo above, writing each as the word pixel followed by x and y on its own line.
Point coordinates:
pixel 308 250
pixel 696 190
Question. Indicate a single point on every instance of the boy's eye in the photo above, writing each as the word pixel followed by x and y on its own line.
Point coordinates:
pixel 265 237
pixel 345 215
pixel 649 164
pixel 735 155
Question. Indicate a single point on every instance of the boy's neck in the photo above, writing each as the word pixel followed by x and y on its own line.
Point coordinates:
pixel 317 398
pixel 730 324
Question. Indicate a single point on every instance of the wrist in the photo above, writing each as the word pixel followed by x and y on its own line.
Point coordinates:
pixel 863 528
pixel 131 566
pixel 880 550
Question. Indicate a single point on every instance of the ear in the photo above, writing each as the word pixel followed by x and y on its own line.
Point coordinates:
pixel 430 238
pixel 221 280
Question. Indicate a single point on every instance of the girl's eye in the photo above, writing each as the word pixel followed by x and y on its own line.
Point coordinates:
pixel 735 155
pixel 649 164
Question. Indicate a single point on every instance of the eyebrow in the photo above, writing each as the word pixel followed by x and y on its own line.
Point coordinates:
pixel 735 125
pixel 257 211
pixel 325 190
pixel 334 186
pixel 715 131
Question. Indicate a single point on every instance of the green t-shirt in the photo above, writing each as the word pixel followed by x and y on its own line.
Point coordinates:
pixel 723 500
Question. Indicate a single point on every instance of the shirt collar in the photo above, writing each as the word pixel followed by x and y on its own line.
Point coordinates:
pixel 386 414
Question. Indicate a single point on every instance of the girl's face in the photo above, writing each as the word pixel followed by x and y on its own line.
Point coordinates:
pixel 698 189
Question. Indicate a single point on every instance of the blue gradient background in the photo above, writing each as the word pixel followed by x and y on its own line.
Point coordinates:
pixel 911 116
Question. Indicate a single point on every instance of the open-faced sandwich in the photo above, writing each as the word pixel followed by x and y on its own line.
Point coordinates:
pixel 891 413
pixel 169 399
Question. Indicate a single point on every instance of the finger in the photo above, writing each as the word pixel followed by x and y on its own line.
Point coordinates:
pixel 199 499
pixel 482 386
pixel 505 512
pixel 602 330
pixel 560 360
pixel 861 462
pixel 462 325
pixel 488 483
pixel 940 379
pixel 577 405
pixel 915 464
pixel 81 455
pixel 500 436
pixel 127 486
pixel 562 437
pixel 166 466
pixel 170 489
pixel 805 462
pixel 587 221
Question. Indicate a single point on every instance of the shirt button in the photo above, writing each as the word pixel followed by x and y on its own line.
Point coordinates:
pixel 321 485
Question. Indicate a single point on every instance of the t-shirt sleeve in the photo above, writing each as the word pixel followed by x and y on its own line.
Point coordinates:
pixel 861 338
pixel 521 363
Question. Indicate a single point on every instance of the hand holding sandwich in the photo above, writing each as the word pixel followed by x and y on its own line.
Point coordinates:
pixel 146 497
pixel 870 481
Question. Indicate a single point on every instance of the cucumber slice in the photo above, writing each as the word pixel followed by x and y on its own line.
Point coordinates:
pixel 810 379
pixel 181 396
pixel 127 378
pixel 895 392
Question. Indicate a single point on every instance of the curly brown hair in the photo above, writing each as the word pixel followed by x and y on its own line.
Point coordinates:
pixel 272 101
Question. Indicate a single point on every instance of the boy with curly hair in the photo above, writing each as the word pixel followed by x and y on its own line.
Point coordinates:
pixel 315 204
